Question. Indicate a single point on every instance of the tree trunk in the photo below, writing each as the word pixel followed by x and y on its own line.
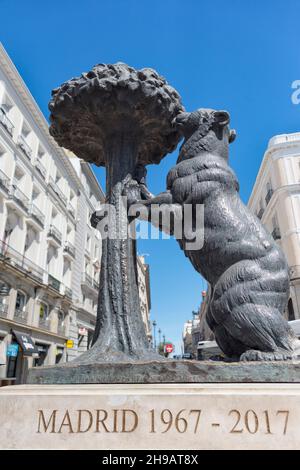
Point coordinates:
pixel 120 332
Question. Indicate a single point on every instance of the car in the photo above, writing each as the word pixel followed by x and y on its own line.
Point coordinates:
pixel 187 356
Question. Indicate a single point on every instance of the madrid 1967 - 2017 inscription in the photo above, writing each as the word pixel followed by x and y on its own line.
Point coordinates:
pixel 161 421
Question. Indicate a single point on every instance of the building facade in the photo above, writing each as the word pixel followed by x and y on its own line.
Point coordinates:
pixel 143 272
pixel 275 199
pixel 49 254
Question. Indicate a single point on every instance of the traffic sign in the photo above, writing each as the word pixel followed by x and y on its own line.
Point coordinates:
pixel 169 348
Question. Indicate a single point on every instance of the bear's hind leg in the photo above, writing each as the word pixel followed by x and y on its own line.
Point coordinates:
pixel 230 346
pixel 264 332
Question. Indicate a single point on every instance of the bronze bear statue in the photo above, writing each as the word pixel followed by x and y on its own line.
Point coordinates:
pixel 246 269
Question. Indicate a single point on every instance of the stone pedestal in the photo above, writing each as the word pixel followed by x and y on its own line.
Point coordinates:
pixel 166 371
pixel 157 416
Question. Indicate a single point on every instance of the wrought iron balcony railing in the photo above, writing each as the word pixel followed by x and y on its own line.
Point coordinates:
pixel 36 214
pixel 68 292
pixel 6 122
pixel 18 196
pixel 53 282
pixel 87 280
pixel 3 310
pixel 54 233
pixel 26 149
pixel 4 181
pixel 21 315
pixel 57 190
pixel 44 323
pixel 12 257
pixel 69 248
pixel 40 167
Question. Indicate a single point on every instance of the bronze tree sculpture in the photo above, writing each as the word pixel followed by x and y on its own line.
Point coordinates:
pixel 120 118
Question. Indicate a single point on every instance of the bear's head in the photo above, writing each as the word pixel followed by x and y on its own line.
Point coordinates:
pixel 205 125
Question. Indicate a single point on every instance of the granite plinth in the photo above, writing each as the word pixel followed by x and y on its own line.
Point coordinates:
pixel 168 371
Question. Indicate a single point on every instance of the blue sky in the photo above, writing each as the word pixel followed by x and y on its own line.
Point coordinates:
pixel 236 55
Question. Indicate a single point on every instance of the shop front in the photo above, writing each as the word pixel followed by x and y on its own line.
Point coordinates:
pixel 20 349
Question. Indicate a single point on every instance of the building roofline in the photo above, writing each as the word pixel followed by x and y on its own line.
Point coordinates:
pixel 14 76
pixel 277 142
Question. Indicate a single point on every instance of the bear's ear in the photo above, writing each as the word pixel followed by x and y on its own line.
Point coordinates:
pixel 222 117
pixel 232 136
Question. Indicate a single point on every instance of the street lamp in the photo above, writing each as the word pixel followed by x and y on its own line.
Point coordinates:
pixel 159 336
pixel 154 333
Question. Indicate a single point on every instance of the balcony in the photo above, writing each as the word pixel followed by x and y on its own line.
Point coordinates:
pixel 3 310
pixel 40 168
pixel 36 214
pixel 54 283
pixel 4 182
pixel 269 195
pixel 6 122
pixel 88 284
pixel 68 292
pixel 15 259
pixel 44 323
pixel 55 234
pixel 260 213
pixel 26 149
pixel 87 279
pixel 21 315
pixel 57 191
pixel 61 330
pixel 16 195
pixel 276 233
pixel 69 249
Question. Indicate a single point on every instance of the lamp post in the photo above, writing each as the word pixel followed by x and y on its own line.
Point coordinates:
pixel 159 336
pixel 154 333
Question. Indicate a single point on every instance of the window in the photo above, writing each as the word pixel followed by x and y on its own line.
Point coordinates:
pixel 291 313
pixel 6 104
pixel 59 355
pixel 19 175
pixel 2 151
pixel 43 351
pixel 21 301
pixel 44 311
pixel 61 318
pixel 41 152
pixel 57 178
pixel 5 109
pixel 54 215
pixel 25 130
pixel 88 242
pixel 35 194
pixel 72 197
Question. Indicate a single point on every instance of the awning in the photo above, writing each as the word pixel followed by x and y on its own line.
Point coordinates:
pixel 26 343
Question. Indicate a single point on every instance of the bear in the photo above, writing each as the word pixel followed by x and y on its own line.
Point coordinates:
pixel 245 268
